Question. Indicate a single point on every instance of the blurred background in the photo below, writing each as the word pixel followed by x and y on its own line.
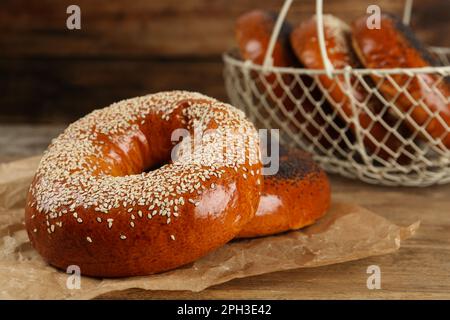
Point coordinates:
pixel 51 75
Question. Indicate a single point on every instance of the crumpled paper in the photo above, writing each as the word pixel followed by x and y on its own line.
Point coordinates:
pixel 347 232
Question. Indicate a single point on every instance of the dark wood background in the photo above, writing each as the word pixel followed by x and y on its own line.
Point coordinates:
pixel 129 48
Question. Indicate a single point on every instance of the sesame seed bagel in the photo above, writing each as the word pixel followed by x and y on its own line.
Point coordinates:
pixel 113 196
pixel 295 197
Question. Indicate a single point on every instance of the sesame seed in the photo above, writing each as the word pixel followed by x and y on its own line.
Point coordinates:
pixel 132 224
pixel 89 239
pixel 78 150
pixel 123 237
pixel 172 237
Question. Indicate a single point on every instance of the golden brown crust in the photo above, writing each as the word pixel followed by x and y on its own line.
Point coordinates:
pixel 395 46
pixel 91 204
pixel 295 197
pixel 305 43
pixel 253 32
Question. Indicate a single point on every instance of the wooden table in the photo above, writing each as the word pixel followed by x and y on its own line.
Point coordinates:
pixel 419 270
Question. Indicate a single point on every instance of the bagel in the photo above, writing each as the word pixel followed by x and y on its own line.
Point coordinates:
pixel 295 197
pixel 304 40
pixel 394 45
pixel 253 33
pixel 92 203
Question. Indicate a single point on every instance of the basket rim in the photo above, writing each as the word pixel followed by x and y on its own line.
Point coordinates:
pixel 230 57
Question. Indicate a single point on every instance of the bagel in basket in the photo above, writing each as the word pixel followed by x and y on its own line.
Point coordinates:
pixel 253 32
pixel 92 203
pixel 425 97
pixel 282 91
pixel 379 137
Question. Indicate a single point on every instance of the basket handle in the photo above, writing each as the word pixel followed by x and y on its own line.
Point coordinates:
pixel 268 59
pixel 407 11
pixel 321 37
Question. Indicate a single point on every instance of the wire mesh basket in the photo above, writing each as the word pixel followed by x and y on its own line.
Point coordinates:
pixel 297 102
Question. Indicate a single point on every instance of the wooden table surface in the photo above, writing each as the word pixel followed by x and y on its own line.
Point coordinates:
pixel 419 270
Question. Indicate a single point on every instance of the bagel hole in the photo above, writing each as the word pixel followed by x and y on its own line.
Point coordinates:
pixel 156 166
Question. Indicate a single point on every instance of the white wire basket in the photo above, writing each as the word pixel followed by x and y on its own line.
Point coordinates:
pixel 311 119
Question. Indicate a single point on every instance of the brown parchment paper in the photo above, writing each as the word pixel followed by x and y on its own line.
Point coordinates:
pixel 347 232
